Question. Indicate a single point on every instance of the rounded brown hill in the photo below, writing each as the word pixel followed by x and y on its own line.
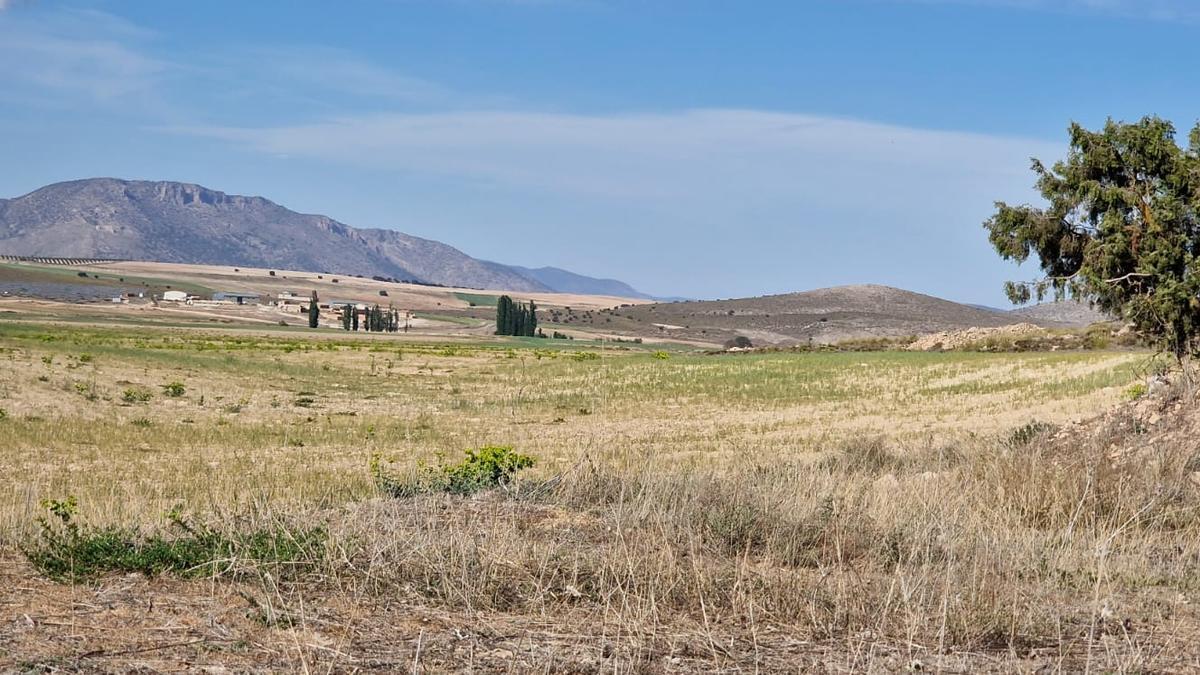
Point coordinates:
pixel 1063 311
pixel 820 316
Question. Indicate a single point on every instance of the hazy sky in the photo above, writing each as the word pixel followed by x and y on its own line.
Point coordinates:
pixel 689 147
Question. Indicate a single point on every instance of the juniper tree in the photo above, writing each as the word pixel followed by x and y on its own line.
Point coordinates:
pixel 1120 229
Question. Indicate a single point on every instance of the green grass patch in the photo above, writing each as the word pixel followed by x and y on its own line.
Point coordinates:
pixel 66 550
pixel 478 299
pixel 458 320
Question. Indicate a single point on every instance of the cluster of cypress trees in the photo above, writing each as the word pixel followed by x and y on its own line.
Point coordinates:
pixel 515 318
pixel 376 320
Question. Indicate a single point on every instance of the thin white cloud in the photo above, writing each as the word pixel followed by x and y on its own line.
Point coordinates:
pixel 68 57
pixel 734 157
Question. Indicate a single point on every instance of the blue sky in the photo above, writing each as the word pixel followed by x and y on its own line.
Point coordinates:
pixel 689 147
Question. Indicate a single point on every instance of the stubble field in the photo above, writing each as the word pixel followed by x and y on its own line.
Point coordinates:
pixel 687 512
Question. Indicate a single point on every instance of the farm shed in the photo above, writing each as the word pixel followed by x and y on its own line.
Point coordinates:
pixel 238 297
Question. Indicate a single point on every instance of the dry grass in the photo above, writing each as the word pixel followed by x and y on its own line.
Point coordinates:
pixel 791 511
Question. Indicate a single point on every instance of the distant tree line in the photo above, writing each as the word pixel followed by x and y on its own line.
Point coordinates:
pixel 515 318
pixel 375 319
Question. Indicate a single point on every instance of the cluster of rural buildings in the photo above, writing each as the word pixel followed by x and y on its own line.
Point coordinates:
pixel 285 301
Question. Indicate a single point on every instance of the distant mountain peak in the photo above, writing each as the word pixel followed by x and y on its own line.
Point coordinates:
pixel 179 222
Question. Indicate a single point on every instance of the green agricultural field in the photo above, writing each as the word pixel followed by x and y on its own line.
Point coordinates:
pixel 478 299
pixel 743 498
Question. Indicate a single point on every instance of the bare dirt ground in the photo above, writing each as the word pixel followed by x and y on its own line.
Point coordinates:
pixel 135 624
pixel 959 339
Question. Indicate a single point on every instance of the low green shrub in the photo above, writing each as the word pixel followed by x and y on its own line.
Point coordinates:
pixel 66 550
pixel 136 395
pixel 174 389
pixel 482 469
pixel 1097 336
pixel 1027 433
pixel 87 390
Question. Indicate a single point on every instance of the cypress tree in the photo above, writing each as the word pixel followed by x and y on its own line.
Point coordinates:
pixel 314 312
pixel 375 319
pixel 531 324
pixel 502 309
pixel 347 316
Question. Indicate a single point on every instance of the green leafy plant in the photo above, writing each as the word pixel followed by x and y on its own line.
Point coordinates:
pixel 174 389
pixel 585 356
pixel 1135 391
pixel 136 395
pixel 482 469
pixel 67 550
pixel 661 355
pixel 87 390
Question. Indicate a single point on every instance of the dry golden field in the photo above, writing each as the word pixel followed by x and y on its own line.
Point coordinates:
pixel 687 512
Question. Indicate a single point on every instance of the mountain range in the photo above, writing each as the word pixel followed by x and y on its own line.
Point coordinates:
pixel 186 223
